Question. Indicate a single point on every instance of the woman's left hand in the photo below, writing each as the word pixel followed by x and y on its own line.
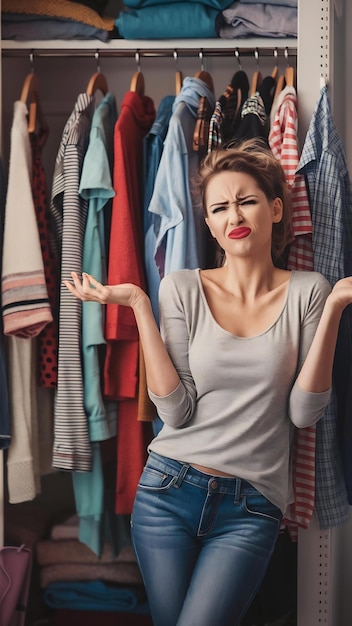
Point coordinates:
pixel 341 294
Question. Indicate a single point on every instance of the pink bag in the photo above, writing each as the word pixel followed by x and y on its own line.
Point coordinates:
pixel 15 577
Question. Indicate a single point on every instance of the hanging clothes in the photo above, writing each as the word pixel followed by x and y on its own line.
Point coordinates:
pixel 126 265
pixel 153 146
pixel 71 449
pixel 201 132
pixel 283 142
pixel 5 422
pixel 284 145
pixel 227 111
pixel 179 223
pixel 26 311
pixel 47 338
pixel 324 166
pixel 96 187
pixel 255 112
pixel 46 349
pixel 153 149
pixel 25 303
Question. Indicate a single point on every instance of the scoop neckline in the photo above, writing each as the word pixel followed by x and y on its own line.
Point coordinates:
pixel 240 337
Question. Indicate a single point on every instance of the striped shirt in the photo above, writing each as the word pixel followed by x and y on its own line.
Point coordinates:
pixel 71 450
pixel 284 145
pixel 25 303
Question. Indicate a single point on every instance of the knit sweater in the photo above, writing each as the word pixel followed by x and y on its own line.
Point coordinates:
pixel 238 401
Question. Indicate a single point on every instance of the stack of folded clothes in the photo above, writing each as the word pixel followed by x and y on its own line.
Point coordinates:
pixel 74 578
pixel 259 18
pixel 56 19
pixel 168 19
pixel 174 19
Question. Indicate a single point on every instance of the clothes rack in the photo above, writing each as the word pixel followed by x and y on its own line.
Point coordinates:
pixel 255 52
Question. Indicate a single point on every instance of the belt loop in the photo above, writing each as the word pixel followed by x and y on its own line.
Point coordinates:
pixel 237 490
pixel 182 473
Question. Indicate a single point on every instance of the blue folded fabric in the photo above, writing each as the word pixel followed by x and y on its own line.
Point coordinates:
pixel 215 4
pixel 94 595
pixel 21 27
pixel 177 20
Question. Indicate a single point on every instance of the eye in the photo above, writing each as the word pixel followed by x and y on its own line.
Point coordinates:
pixel 217 209
pixel 247 202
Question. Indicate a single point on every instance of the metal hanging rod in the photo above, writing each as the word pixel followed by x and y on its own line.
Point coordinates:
pixel 284 51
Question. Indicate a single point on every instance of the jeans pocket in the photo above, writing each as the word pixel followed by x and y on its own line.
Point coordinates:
pixel 153 479
pixel 259 506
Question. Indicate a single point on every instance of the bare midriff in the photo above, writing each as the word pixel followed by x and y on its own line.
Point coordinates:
pixel 211 470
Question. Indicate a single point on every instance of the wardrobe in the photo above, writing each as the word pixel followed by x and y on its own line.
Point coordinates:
pixel 321 54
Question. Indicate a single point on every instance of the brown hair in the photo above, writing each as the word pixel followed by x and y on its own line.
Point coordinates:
pixel 253 157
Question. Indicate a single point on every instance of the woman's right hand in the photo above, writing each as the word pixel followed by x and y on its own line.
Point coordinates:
pixel 162 378
pixel 90 290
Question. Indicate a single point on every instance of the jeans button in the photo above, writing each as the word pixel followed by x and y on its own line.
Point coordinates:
pixel 213 484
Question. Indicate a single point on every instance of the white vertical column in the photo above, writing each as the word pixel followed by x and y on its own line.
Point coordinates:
pixel 317 576
pixel 318 550
pixel 314 56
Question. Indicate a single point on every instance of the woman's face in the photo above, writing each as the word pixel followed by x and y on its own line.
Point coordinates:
pixel 239 215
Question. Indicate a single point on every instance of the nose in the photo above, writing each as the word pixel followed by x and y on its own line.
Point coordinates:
pixel 235 213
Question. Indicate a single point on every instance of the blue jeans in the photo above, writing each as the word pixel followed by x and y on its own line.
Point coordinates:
pixel 203 543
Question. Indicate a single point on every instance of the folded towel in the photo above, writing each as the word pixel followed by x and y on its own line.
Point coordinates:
pixel 59 8
pixel 68 529
pixel 95 596
pixel 121 573
pixel 49 552
pixel 168 21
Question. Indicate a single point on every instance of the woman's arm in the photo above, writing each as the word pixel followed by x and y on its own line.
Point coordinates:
pixel 316 373
pixel 162 378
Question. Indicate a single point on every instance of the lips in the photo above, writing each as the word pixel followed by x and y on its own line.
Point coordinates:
pixel 239 233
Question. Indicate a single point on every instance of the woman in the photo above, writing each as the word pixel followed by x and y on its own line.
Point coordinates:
pixel 244 356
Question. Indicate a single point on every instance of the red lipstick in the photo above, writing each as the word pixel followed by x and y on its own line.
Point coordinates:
pixel 239 233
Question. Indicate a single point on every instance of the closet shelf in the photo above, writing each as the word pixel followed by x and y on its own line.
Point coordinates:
pixel 164 47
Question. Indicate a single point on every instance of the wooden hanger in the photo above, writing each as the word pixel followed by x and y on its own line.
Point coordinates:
pixel 290 76
pixel 97 82
pixel 30 97
pixel 178 82
pixel 275 72
pixel 256 82
pixel 285 80
pixel 257 76
pixel 289 72
pixel 137 83
pixel 279 86
pixel 206 78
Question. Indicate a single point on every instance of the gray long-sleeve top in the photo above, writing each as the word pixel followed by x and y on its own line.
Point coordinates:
pixel 237 404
